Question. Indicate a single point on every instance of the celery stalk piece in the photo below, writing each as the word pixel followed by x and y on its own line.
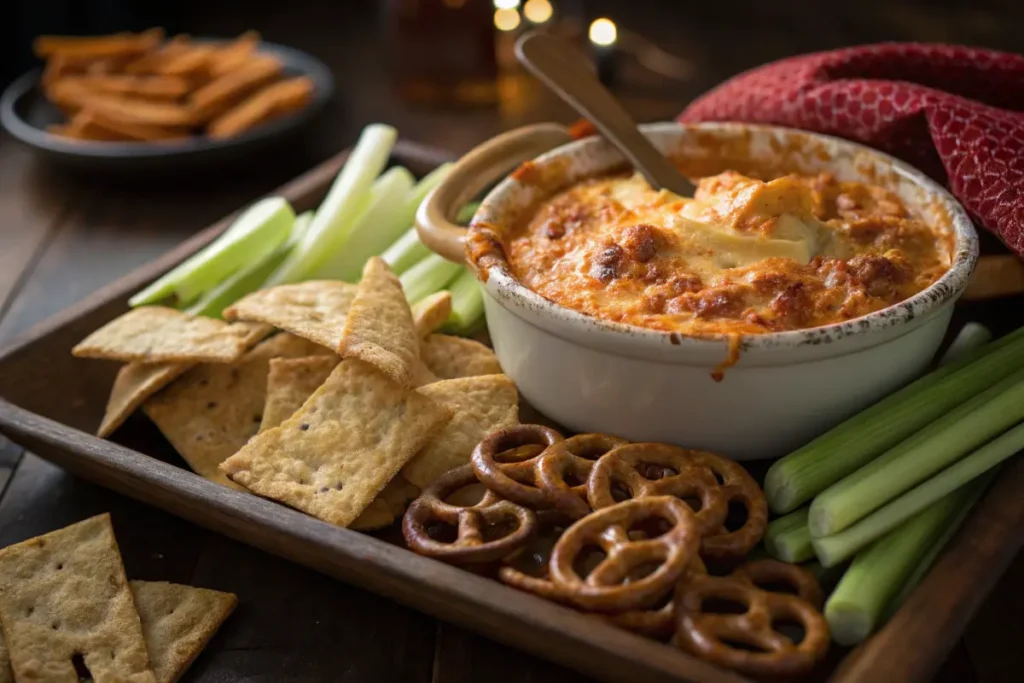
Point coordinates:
pixel 788 538
pixel 250 278
pixel 466 213
pixel 467 303
pixel 256 233
pixel 925 562
pixel 809 470
pixel 406 252
pixel 910 462
pixel 837 547
pixel 418 193
pixel 383 221
pixel 970 337
pixel 855 607
pixel 344 204
pixel 428 276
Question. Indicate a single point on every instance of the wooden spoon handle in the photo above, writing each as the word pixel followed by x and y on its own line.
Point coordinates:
pixel 568 74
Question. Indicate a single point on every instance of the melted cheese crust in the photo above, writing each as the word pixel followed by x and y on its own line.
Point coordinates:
pixel 741 256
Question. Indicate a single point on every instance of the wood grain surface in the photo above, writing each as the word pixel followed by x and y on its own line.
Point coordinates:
pixel 62 236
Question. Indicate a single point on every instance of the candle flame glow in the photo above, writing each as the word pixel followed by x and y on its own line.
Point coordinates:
pixel 506 19
pixel 603 32
pixel 538 11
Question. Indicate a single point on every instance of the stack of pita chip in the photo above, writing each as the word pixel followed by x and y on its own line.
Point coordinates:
pixel 68 613
pixel 346 412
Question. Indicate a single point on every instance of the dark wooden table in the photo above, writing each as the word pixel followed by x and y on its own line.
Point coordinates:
pixel 63 235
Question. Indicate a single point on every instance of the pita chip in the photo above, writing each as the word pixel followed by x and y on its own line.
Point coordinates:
pixel 213 409
pixel 315 310
pixel 177 623
pixel 332 457
pixel 454 357
pixel 291 381
pixel 156 334
pixel 431 312
pixel 380 329
pixel 65 605
pixel 480 405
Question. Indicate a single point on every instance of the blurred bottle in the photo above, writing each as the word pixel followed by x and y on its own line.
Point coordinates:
pixel 443 51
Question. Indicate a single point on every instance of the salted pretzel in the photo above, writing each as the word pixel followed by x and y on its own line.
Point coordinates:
pixel 768 652
pixel 737 486
pixel 528 571
pixel 540 482
pixel 633 573
pixel 658 469
pixel 767 573
pixel 486 531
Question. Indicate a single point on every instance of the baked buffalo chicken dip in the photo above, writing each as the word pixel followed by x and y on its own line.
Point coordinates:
pixel 741 256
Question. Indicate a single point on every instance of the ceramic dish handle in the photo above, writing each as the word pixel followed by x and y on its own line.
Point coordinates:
pixel 481 167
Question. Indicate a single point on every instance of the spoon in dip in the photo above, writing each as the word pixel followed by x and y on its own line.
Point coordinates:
pixel 568 74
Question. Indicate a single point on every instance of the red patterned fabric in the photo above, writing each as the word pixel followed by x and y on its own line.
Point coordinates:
pixel 955 112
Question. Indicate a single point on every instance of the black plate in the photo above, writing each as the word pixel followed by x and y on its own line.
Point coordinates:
pixel 25 113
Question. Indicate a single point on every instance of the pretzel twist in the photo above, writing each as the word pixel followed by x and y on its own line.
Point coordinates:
pixel 737 487
pixel 486 531
pixel 621 581
pixel 772 654
pixel 657 469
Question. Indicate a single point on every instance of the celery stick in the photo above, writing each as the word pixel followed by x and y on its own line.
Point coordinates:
pixel 345 202
pixel 383 221
pixel 256 233
pixel 970 337
pixel 250 278
pixel 466 213
pixel 416 196
pixel 406 252
pixel 837 547
pixel 467 303
pixel 788 538
pixel 912 461
pixel 428 276
pixel 925 562
pixel 807 471
pixel 855 607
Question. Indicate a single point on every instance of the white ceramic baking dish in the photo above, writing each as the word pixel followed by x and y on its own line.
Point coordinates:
pixel 647 385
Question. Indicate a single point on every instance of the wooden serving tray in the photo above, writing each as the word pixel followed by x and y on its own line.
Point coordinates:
pixel 50 403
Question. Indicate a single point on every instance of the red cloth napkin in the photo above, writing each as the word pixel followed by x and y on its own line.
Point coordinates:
pixel 955 112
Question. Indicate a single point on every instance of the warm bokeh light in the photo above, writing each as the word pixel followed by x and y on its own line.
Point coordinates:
pixel 506 4
pixel 537 11
pixel 506 19
pixel 603 31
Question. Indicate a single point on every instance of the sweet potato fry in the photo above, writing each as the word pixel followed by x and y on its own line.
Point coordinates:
pixel 234 54
pixel 192 62
pixel 71 94
pixel 82 126
pixel 274 101
pixel 222 92
pixel 153 61
pixel 136 131
pixel 77 48
pixel 148 87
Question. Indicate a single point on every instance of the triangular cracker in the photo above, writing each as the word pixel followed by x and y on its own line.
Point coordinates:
pixel 388 506
pixel 291 381
pixel 156 334
pixel 454 357
pixel 314 310
pixel 480 405
pixel 64 600
pixel 213 409
pixel 430 312
pixel 136 382
pixel 177 623
pixel 379 329
pixel 332 457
